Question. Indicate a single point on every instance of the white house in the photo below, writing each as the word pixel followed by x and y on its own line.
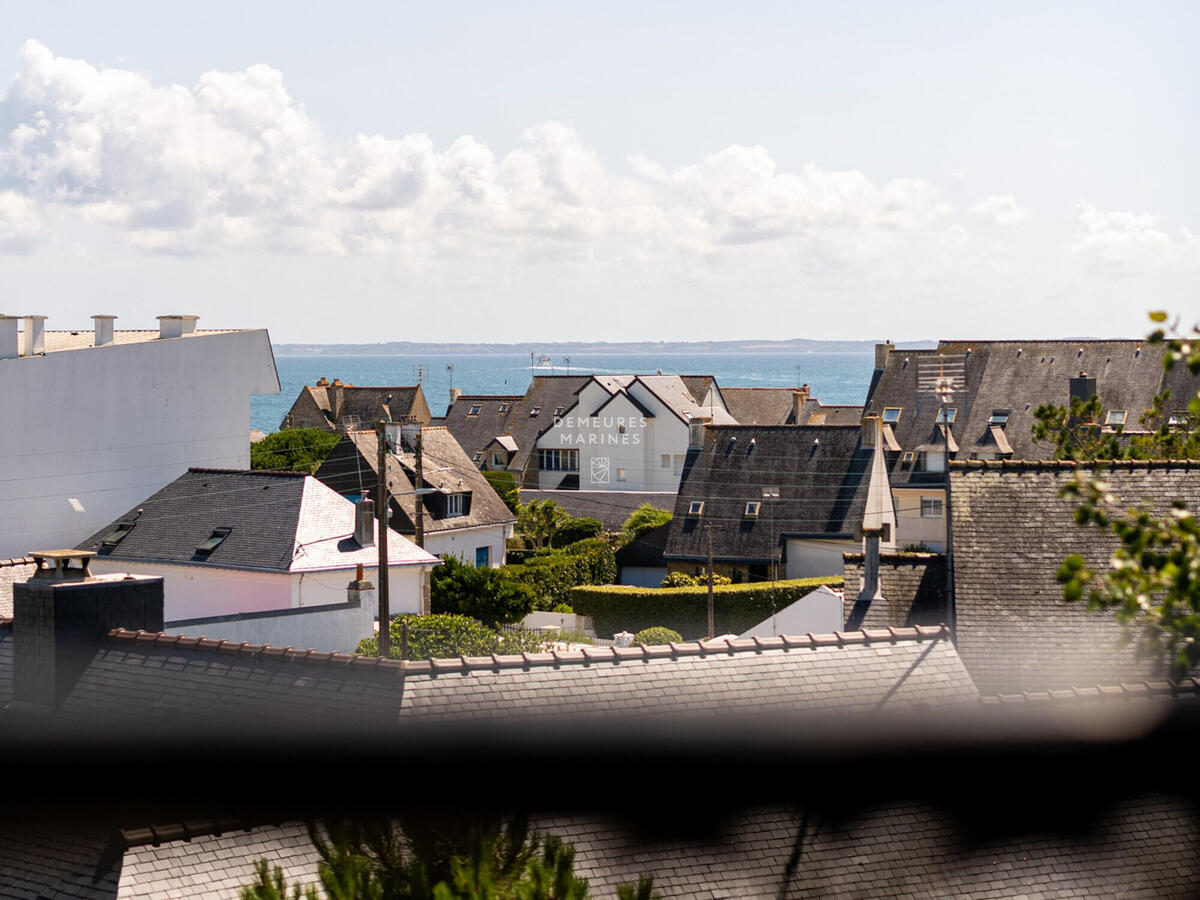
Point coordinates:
pixel 627 432
pixel 95 420
pixel 264 556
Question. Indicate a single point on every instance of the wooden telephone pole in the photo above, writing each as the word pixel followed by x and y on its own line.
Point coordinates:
pixel 381 510
pixel 712 626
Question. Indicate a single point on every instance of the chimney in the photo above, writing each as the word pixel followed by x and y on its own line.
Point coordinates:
pixel 879 517
pixel 35 335
pixel 696 432
pixel 872 425
pixel 455 393
pixel 1082 387
pixel 799 398
pixel 176 325
pixel 9 348
pixel 882 352
pixel 104 329
pixel 360 592
pixel 335 397
pixel 60 618
pixel 364 523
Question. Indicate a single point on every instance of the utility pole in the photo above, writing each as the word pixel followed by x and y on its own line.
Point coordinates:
pixel 420 473
pixel 712 626
pixel 381 510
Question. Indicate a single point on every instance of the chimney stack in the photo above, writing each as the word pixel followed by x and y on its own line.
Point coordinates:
pixel 176 325
pixel 360 592
pixel 455 393
pixel 799 398
pixel 35 335
pixel 696 431
pixel 882 352
pixel 364 523
pixel 9 347
pixel 104 329
pixel 60 618
pixel 335 397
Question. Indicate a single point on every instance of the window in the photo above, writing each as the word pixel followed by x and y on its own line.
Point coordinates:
pixel 946 416
pixel 483 557
pixel 1179 420
pixel 909 457
pixel 504 407
pixel 559 410
pixel 696 508
pixel 533 412
pixel 666 460
pixel 117 535
pixel 214 541
pixel 558 460
pixel 498 459
pixel 478 457
pixel 931 507
pixel 454 505
pixel 1115 417
pixel 999 417
pixel 677 463
pixel 474 410
pixel 752 508
pixel 891 415
pixel 622 474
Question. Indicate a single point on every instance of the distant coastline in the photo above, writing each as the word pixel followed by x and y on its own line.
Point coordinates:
pixel 410 348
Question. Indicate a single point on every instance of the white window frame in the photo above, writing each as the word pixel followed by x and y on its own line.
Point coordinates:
pixel 931 507
pixel 454 505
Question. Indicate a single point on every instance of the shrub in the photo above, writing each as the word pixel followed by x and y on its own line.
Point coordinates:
pixel 539 519
pixel 645 518
pixel 657 634
pixel 437 636
pixel 736 607
pixel 485 594
pixel 504 484
pixel 683 579
pixel 551 574
pixel 564 608
pixel 293 449
pixel 576 530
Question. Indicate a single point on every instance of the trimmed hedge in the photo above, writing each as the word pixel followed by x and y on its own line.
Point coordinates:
pixel 551 574
pixel 736 607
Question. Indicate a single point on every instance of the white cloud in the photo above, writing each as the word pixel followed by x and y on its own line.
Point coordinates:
pixel 1001 209
pixel 21 224
pixel 1130 243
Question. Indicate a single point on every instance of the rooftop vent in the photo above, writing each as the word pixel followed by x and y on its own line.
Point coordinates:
pixel 176 325
pixel 35 335
pixel 104 329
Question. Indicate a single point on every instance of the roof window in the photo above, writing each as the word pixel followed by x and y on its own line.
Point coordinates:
pixel 117 535
pixel 999 417
pixel 696 508
pixel 213 542
pixel 534 411
pixel 505 407
pixel 891 415
pixel 946 416
pixel 475 410
pixel 559 410
pixel 478 456
pixel 1115 417
pixel 752 508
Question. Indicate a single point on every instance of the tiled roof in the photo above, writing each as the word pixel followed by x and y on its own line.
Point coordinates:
pixel 352 466
pixel 759 406
pixel 278 521
pixel 41 860
pixel 12 571
pixel 673 391
pixel 1011 533
pixel 56 341
pixel 1019 376
pixel 610 507
pixel 820 472
pixel 817 413
pixel 318 406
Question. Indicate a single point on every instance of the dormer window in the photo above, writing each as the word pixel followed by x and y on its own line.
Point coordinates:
pixel 946 416
pixel 752 508
pixel 1177 421
pixel 454 505
pixel 999 417
pixel 1115 417
pixel 696 508
pixel 891 415
pixel 533 412
pixel 475 410
pixel 206 547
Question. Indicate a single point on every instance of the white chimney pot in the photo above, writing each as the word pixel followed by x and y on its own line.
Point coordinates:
pixel 175 325
pixel 104 329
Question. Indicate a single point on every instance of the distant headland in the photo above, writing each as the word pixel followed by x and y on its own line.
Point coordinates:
pixel 411 348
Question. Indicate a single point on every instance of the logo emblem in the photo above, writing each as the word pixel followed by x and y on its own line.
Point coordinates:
pixel 600 470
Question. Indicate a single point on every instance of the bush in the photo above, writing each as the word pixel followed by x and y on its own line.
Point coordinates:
pixel 645 518
pixel 564 608
pixel 683 579
pixel 551 574
pixel 443 636
pixel 576 530
pixel 504 484
pixel 656 634
pixel 485 594
pixel 737 607
pixel 293 449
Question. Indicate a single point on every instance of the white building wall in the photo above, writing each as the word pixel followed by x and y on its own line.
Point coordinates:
pixel 319 628
pixel 89 433
pixel 814 559
pixel 463 544
pixel 912 527
pixel 817 613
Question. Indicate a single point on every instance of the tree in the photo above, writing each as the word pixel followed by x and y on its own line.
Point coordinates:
pixel 505 484
pixel 488 595
pixel 645 518
pixel 539 519
pixel 1153 581
pixel 293 449
pixel 573 530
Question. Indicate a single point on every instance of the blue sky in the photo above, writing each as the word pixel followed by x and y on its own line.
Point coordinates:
pixel 617 171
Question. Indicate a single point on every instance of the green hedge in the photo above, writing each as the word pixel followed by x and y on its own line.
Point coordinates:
pixel 736 607
pixel 551 574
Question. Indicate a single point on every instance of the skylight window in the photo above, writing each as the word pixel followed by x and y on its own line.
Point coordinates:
pixel 505 407
pixel 999 417
pixel 559 410
pixel 696 508
pixel 534 411
pixel 891 415
pixel 946 416
pixel 752 508
pixel 478 457
pixel 214 541
pixel 475 410
pixel 117 535
pixel 1115 417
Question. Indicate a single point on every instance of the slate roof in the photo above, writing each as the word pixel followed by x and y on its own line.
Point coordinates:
pixel 610 507
pixel 1018 376
pixel 1011 533
pixel 677 396
pixel 318 406
pixel 759 406
pixel 646 550
pixel 352 469
pixel 821 473
pixel 278 521
pixel 12 571
pixel 817 413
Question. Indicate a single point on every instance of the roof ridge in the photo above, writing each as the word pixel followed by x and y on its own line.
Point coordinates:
pixel 16 561
pixel 206 470
pixel 1121 689
pixel 1071 463
pixel 585 656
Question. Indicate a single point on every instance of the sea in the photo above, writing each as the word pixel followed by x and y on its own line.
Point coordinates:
pixel 834 378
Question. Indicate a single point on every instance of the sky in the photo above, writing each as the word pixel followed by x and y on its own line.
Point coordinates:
pixel 366 172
